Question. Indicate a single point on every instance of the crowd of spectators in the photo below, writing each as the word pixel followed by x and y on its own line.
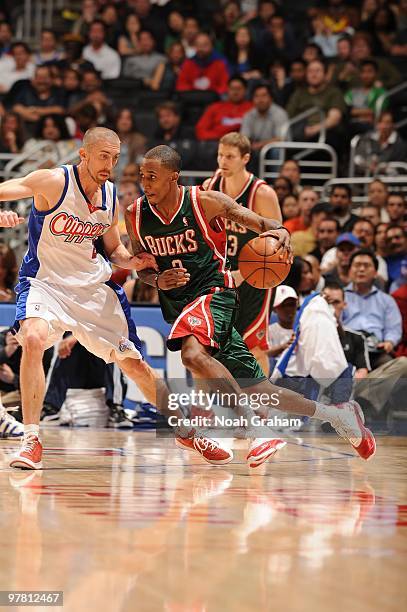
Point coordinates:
pixel 185 74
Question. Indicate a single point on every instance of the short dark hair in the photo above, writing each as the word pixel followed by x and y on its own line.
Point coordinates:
pixel 369 62
pixel 397 194
pixel 237 77
pixel 262 86
pixel 20 43
pixel 167 156
pixel 361 220
pixel 100 22
pixel 366 252
pixel 321 207
pixel 347 188
pixel 170 106
pixel 336 286
pixel 332 220
pixel 288 182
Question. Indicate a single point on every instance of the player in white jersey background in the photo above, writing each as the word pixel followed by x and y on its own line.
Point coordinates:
pixel 64 280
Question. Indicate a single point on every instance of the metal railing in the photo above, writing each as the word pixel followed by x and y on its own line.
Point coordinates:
pixel 360 185
pixel 315 110
pixel 387 96
pixel 10 169
pixel 312 170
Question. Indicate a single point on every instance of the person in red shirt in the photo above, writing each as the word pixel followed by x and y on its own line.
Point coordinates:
pixel 306 200
pixel 206 71
pixel 226 116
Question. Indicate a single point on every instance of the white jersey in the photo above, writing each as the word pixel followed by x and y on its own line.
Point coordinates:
pixel 65 248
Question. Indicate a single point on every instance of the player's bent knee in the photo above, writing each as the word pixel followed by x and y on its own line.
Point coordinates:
pixel 193 358
pixel 34 343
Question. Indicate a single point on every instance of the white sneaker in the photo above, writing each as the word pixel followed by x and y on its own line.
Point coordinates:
pixel 261 449
pixel 349 424
pixel 9 427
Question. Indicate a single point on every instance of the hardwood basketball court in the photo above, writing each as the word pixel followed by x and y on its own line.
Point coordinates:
pixel 127 522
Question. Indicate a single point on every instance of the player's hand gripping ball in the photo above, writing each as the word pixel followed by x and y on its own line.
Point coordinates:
pixel 261 265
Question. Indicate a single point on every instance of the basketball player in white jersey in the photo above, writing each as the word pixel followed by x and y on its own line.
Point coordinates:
pixel 64 280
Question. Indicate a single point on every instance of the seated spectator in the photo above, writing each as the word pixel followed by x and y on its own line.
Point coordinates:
pixel 152 19
pixel 128 43
pixel 396 240
pixel 225 116
pixel 311 53
pixel 52 132
pixel 175 26
pixel 347 74
pixel 380 146
pixel 166 74
pixel 327 234
pixel 370 310
pixel 73 46
pixel 338 18
pixel 339 272
pixel 87 16
pixel 382 28
pixel 131 173
pixel 313 358
pixel 10 359
pixel 283 188
pixel 324 37
pixel 85 118
pixel 371 213
pixel 93 94
pixel 189 35
pixel 279 41
pixel 364 230
pixel 328 98
pixel 17 66
pixel 48 52
pixel 206 70
pixel 306 200
pixel 132 143
pixel 173 132
pixel 304 241
pixel 362 101
pixel 290 207
pixel 396 208
pixel 341 201
pixel 8 273
pixel 353 343
pixel 6 38
pixel 71 84
pixel 381 246
pixel 143 65
pixel 318 281
pixel 291 169
pixel 110 17
pixel 36 98
pixel 244 57
pixel 225 24
pixel 258 24
pixel 105 59
pixel 12 135
pixel 283 85
pixel 266 122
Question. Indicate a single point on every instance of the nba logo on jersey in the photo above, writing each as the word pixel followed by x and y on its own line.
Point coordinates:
pixel 184 220
pixel 194 321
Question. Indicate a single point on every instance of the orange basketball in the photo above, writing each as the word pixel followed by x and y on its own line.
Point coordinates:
pixel 259 266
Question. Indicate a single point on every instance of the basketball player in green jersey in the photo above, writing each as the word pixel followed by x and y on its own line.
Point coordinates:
pixel 184 229
pixel 253 193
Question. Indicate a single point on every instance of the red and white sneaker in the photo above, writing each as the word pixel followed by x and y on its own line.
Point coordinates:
pixel 261 449
pixel 350 424
pixel 211 450
pixel 30 454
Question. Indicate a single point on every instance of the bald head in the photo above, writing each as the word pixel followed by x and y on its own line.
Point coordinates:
pixel 98 135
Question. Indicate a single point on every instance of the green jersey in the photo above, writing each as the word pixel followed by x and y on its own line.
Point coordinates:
pixel 238 235
pixel 188 241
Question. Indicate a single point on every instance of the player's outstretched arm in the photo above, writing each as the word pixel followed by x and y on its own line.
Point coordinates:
pixel 217 204
pixel 35 183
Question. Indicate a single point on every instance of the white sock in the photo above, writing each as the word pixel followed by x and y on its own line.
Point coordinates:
pixel 31 428
pixel 324 412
